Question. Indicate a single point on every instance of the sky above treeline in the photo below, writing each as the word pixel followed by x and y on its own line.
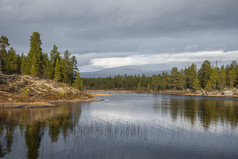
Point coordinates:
pixel 111 33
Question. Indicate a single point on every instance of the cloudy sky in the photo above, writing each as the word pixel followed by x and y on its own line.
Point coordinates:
pixel 111 33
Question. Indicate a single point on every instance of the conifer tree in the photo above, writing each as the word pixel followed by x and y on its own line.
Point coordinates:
pixel 78 83
pixel 35 52
pixel 222 78
pixel 54 55
pixel 190 75
pixel 196 84
pixel 139 86
pixel 204 73
pixel 34 69
pixel 67 68
pixel 58 74
pixel 10 61
pixel 214 79
pixel 175 77
pixel 232 77
pixel 23 65
pixel 4 44
pixel 208 86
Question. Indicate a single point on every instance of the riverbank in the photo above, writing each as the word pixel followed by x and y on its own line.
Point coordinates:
pixel 24 91
pixel 168 92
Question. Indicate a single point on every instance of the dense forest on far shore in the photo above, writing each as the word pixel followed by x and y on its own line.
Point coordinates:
pixel 207 78
pixel 36 63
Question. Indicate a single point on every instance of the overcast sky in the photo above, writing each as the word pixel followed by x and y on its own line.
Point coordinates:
pixel 111 33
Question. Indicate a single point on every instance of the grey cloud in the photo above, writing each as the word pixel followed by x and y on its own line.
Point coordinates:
pixel 110 28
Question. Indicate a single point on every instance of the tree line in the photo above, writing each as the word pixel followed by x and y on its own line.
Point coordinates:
pixel 207 78
pixel 36 63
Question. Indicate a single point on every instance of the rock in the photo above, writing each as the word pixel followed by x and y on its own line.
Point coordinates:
pixel 228 92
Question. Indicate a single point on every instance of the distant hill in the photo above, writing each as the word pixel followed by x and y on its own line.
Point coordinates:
pixel 147 70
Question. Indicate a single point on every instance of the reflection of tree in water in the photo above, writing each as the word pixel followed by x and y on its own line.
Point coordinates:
pixel 205 111
pixel 34 122
pixel 6 135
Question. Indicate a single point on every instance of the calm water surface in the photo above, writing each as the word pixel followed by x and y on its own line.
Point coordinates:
pixel 124 126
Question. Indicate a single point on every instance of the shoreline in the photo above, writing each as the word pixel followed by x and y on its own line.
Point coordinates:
pixel 165 93
pixel 44 104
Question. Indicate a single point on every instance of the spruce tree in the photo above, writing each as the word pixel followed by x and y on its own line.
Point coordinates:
pixel 196 84
pixel 232 77
pixel 10 61
pixel 174 77
pixel 23 65
pixel 208 86
pixel 4 44
pixel 78 83
pixel 35 52
pixel 204 73
pixel 58 73
pixel 222 78
pixel 67 68
pixel 34 69
pixel 54 55
pixel 214 79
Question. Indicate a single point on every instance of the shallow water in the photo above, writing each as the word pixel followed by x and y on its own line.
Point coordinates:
pixel 124 126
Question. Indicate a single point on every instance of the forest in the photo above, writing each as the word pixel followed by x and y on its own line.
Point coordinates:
pixel 36 63
pixel 206 78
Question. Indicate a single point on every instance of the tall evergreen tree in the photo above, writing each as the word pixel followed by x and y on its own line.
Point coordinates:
pixel 35 52
pixel 67 68
pixel 222 78
pixel 190 75
pixel 54 55
pixel 196 84
pixel 10 61
pixel 58 73
pixel 215 78
pixel 78 83
pixel 4 44
pixel 23 65
pixel 232 77
pixel 204 73
pixel 174 77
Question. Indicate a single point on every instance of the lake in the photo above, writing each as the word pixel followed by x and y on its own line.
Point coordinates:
pixel 124 125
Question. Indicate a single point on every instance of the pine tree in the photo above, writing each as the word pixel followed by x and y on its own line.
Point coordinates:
pixel 204 73
pixel 196 84
pixel 35 52
pixel 208 86
pixel 232 77
pixel 214 79
pixel 4 44
pixel 174 77
pixel 190 75
pixel 34 69
pixel 23 65
pixel 54 55
pixel 222 78
pixel 58 73
pixel 10 61
pixel 139 86
pixel 67 68
pixel 78 83
pixel 148 87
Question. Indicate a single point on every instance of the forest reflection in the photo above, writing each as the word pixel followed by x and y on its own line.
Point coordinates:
pixel 115 123
pixel 206 111
pixel 32 123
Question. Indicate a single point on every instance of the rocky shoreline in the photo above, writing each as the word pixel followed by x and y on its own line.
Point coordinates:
pixel 24 91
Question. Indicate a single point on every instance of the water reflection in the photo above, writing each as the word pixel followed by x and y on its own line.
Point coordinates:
pixel 123 126
pixel 204 111
pixel 32 123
